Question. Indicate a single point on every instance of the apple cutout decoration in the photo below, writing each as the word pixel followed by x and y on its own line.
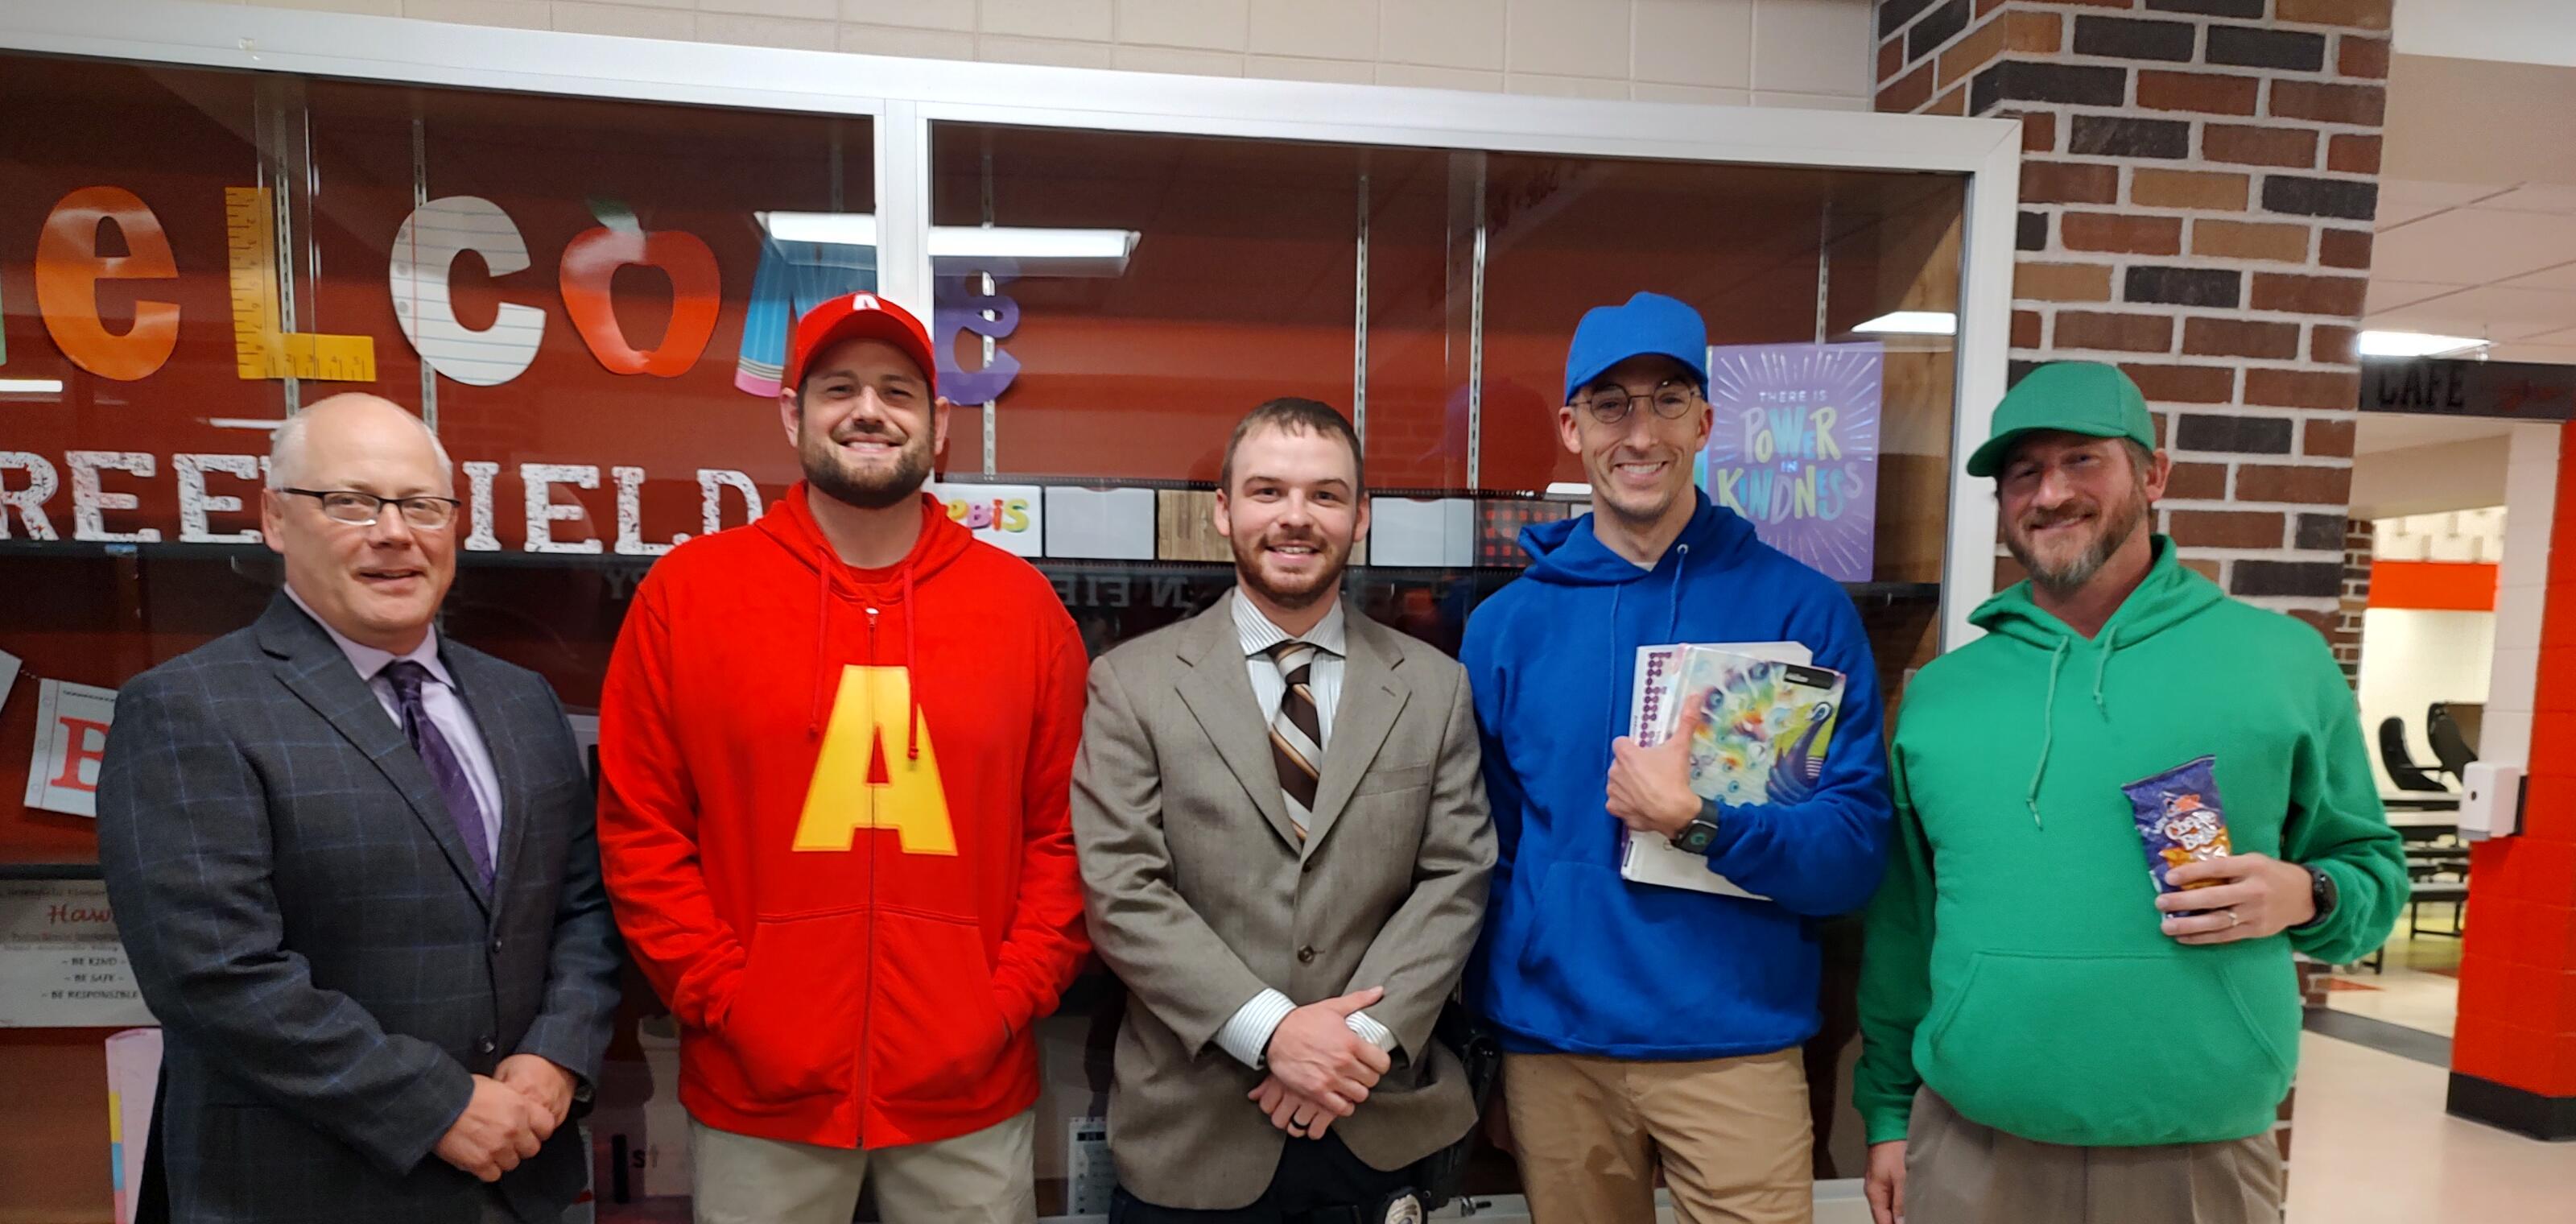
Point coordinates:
pixel 591 261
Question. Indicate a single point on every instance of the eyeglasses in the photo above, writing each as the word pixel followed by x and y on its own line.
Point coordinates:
pixel 363 509
pixel 1610 406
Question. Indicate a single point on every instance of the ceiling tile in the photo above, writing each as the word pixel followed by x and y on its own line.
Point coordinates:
pixel 2555 348
pixel 2561 277
pixel 2473 246
pixel 2551 198
pixel 2387 293
pixel 2493 312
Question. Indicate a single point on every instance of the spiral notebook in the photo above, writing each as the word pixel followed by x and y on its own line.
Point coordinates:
pixel 1771 720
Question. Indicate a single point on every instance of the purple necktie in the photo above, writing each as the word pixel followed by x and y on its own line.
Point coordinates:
pixel 444 768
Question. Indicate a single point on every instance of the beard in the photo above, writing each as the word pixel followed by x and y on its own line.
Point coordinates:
pixel 1290 591
pixel 832 474
pixel 2065 574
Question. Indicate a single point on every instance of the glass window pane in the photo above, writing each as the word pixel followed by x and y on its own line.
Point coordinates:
pixel 1240 288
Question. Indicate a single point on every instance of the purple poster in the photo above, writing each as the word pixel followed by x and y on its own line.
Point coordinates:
pixel 1795 448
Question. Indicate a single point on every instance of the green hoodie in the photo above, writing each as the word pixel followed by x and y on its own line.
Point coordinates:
pixel 2018 915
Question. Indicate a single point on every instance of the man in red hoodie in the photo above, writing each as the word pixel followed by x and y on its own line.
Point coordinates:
pixel 834 752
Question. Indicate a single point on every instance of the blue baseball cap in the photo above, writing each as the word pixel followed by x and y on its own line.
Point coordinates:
pixel 1648 323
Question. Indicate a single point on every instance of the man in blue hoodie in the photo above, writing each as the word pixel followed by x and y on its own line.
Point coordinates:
pixel 1645 1024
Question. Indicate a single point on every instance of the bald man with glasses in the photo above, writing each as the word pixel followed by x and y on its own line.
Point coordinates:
pixel 354 867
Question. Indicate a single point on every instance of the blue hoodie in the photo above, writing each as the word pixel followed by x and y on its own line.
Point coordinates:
pixel 1575 959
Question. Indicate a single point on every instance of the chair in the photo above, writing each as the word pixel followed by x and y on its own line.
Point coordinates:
pixel 2449 745
pixel 2400 763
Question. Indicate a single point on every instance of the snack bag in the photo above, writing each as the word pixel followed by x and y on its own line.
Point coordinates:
pixel 2179 819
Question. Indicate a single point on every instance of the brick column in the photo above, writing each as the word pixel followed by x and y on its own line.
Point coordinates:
pixel 2358 552
pixel 2197 191
pixel 2513 1053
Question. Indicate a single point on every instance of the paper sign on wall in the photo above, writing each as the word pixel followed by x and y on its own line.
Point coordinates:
pixel 60 963
pixel 1794 448
pixel 71 737
pixel 585 737
pixel 1428 531
pixel 1009 517
pixel 1089 1176
pixel 8 676
pixel 133 1079
pixel 1102 524
pixel 262 347
pixel 424 249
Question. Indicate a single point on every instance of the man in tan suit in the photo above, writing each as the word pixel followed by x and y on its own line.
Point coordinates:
pixel 1284 849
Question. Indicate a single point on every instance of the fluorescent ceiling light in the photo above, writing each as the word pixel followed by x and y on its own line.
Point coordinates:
pixel 1014 249
pixel 1024 242
pixel 1566 488
pixel 262 424
pixel 31 386
pixel 2416 344
pixel 1912 323
pixel 841 229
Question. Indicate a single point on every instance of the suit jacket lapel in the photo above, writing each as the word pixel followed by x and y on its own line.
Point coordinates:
pixel 1218 692
pixel 1373 697
pixel 311 666
pixel 480 688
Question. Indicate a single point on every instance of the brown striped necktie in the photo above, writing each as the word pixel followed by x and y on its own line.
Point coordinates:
pixel 1297 732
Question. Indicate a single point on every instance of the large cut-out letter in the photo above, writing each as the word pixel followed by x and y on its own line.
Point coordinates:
pixel 860 784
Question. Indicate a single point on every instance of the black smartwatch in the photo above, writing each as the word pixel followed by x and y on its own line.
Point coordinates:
pixel 1701 833
pixel 2321 889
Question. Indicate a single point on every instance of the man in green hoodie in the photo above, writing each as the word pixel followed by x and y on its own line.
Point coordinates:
pixel 2049 1034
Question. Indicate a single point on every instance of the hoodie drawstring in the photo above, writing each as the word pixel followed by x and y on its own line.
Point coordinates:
pixel 1673 615
pixel 822 648
pixel 2048 728
pixel 1617 665
pixel 911 675
pixel 2102 669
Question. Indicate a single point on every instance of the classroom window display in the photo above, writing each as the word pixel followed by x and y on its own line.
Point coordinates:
pixel 592 303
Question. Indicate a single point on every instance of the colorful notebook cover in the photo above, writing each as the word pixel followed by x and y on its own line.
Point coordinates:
pixel 1770 720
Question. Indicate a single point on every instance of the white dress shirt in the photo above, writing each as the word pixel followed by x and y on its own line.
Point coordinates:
pixel 438 698
pixel 1247 1035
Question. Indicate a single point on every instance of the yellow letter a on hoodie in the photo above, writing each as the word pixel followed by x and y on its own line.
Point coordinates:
pixel 859 785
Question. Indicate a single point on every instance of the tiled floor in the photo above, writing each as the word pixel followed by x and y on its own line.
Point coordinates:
pixel 2417 988
pixel 2373 1145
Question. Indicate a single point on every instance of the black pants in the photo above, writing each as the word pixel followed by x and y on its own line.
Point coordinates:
pixel 1317 1180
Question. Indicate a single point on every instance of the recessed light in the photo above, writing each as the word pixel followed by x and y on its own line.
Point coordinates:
pixel 2417 344
pixel 1912 323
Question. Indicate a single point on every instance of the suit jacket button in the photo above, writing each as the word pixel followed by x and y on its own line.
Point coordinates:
pixel 486 1046
pixel 1305 956
pixel 496 945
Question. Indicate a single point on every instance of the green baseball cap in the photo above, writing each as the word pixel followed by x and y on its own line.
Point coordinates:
pixel 2082 397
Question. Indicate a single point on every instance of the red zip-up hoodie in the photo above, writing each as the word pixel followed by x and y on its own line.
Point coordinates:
pixel 832 816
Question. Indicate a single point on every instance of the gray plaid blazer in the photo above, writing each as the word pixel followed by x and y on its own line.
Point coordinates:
pixel 306 924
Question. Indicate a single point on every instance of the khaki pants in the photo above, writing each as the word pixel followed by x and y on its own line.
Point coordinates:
pixel 1958 1172
pixel 1732 1135
pixel 982 1178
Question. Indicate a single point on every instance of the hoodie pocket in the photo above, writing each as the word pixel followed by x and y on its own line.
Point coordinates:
pixel 2110 1049
pixel 938 1030
pixel 794 1025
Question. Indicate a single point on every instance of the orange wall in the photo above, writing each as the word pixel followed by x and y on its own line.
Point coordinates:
pixel 2433 586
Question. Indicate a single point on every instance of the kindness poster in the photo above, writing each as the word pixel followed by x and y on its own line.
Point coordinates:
pixel 1795 448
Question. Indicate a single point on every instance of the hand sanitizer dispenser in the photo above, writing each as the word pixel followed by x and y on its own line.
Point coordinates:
pixel 2490 801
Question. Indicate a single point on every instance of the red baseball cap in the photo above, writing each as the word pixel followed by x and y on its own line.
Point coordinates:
pixel 860 316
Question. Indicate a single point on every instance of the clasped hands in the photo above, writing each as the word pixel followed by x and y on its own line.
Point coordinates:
pixel 1319 1069
pixel 511 1115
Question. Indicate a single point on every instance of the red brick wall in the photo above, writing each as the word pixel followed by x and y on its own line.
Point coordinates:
pixel 2346 636
pixel 2198 184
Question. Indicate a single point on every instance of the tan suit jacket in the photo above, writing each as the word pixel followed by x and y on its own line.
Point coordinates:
pixel 1201 896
